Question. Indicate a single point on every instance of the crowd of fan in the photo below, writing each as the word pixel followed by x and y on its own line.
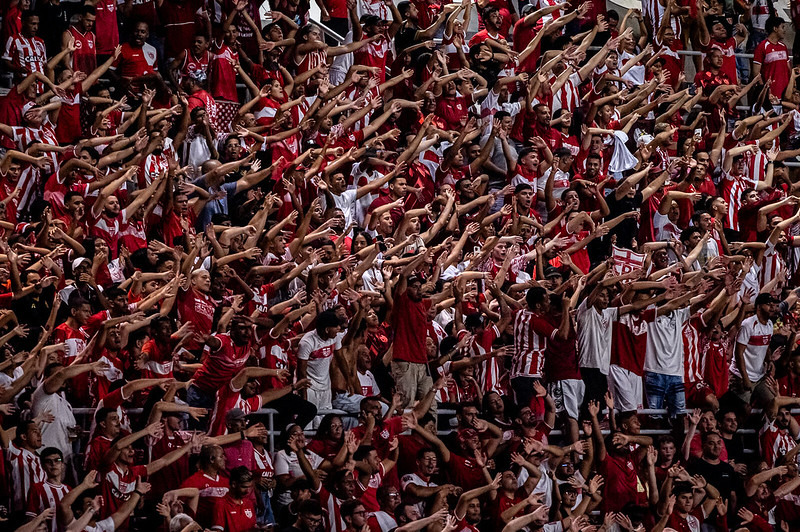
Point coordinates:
pixel 543 226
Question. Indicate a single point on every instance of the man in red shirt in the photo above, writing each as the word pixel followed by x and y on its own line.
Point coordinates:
pixel 771 58
pixel 118 480
pixel 137 59
pixel 235 512
pixel 410 318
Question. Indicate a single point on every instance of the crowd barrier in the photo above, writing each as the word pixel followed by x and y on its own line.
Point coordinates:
pixel 84 417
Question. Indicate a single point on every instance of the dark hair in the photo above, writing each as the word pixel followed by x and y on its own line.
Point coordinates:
pixel 687 233
pixel 309 507
pixel 348 507
pixel 535 296
pixel 773 22
pixel 87 10
pixel 488 11
pixel 522 187
pixel 114 292
pixel 403 7
pixel 425 450
pixel 324 429
pixel 71 194
pixel 325 319
pixel 240 475
pixel 362 452
pixel 102 414
pixel 50 451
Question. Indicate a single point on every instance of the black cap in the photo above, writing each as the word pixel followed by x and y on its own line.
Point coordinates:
pixel 551 271
pixel 371 20
pixel 765 299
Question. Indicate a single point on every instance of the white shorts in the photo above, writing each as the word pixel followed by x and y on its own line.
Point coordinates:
pixel 319 398
pixel 568 396
pixel 626 389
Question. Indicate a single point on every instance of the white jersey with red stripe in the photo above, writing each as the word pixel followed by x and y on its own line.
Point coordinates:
pixel 311 60
pixel 27 53
pixel 26 470
pixel 568 96
pixel 152 166
pixel 529 345
pixel 732 188
pixel 756 165
pixel 694 365
pixel 772 264
pixel 45 495
pixel 774 442
pixel 30 179
pixel 653 13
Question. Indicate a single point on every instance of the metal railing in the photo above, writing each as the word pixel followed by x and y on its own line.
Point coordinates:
pixel 85 415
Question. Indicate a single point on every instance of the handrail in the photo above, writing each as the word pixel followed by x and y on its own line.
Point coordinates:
pixel 271 412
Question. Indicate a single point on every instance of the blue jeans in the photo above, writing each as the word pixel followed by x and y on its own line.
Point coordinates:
pixel 661 389
pixel 265 515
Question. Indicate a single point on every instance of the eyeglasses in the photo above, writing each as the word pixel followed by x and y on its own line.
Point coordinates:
pixel 52 460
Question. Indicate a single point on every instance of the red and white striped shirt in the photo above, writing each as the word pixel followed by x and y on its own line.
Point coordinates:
pixel 46 495
pixel 774 442
pixel 26 470
pixel 27 53
pixel 732 188
pixel 694 366
pixel 772 264
pixel 152 166
pixel 531 332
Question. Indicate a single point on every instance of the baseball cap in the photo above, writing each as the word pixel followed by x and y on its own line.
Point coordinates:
pixel 467 434
pixel 371 20
pixel 551 271
pixel 234 414
pixel 77 262
pixel 765 299
pixel 527 9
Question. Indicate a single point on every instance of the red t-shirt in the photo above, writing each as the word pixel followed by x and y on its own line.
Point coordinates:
pixel 117 485
pixel 465 472
pixel 409 319
pixel 234 516
pixel 134 62
pixel 453 111
pixel 211 490
pixel 774 61
pixel 197 308
pixel 220 366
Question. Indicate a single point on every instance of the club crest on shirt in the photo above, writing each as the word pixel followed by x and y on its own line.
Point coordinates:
pixel 248 513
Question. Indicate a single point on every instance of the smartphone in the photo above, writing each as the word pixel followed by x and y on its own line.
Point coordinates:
pixel 698 132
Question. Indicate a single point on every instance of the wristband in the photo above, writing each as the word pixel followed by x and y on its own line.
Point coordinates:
pixel 243 436
pixel 139 493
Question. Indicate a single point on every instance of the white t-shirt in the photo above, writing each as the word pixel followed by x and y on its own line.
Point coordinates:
pixel 665 229
pixel 413 478
pixel 346 201
pixel 55 434
pixel 756 336
pixel 287 464
pixel 369 386
pixel 664 352
pixel 319 354
pixel 106 525
pixel 594 336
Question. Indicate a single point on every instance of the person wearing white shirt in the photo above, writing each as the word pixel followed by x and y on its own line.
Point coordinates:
pixel 663 359
pixel 752 343
pixel 594 326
